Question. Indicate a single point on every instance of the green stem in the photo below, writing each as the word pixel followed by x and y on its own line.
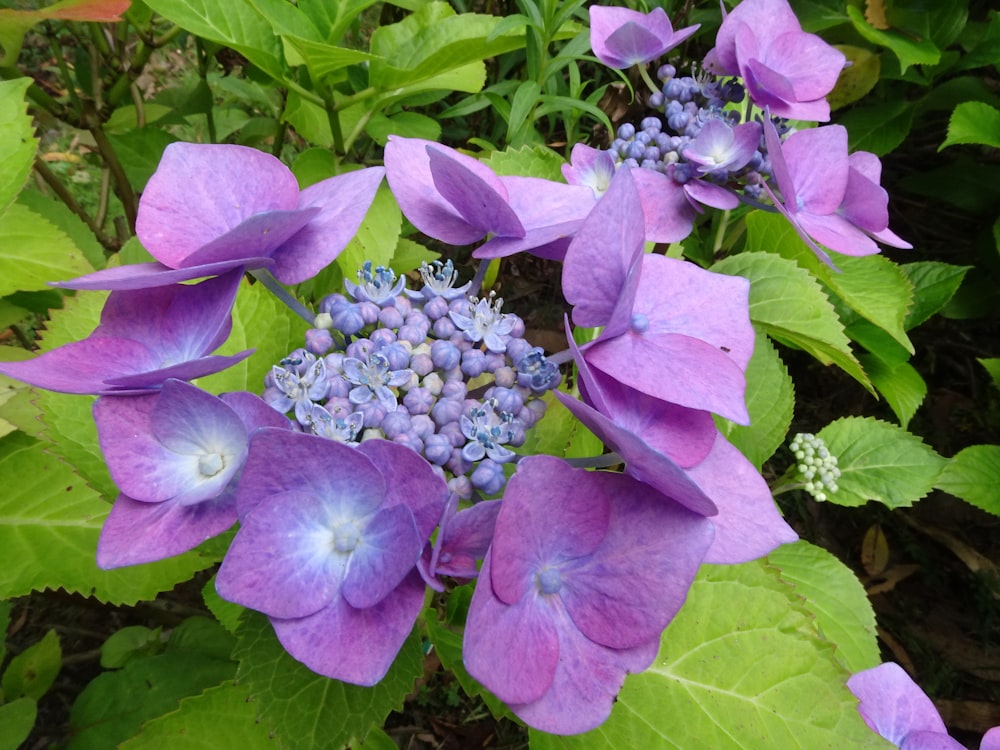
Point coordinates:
pixel 272 285
pixel 64 195
pixel 123 188
pixel 644 74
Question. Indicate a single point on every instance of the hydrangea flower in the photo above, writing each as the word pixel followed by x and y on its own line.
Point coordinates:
pixel 782 67
pixel 329 540
pixel 584 573
pixel 485 322
pixel 720 148
pixel 209 208
pixel 175 456
pixel 895 708
pixel 144 338
pixel 621 37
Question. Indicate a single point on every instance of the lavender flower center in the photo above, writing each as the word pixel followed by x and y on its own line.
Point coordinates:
pixel 549 581
pixel 346 537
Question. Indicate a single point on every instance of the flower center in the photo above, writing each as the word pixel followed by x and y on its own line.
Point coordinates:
pixel 549 581
pixel 346 537
pixel 210 464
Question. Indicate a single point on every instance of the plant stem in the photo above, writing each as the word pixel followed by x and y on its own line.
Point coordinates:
pixel 123 188
pixel 272 285
pixel 43 171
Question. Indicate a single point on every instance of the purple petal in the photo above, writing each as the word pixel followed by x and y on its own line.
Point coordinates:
pixel 512 650
pixel 82 366
pixel 817 162
pixel 200 192
pixel 930 741
pixel 254 411
pixel 373 636
pixel 282 561
pixel 767 18
pixel 991 740
pixel 343 201
pixel 626 592
pixel 136 532
pixel 387 552
pixel 668 215
pixel 748 525
pixel 892 704
pixel 147 275
pixel 282 460
pixel 710 194
pixel 465 538
pixel 811 64
pixel 259 235
pixel 779 166
pixel 475 199
pixel 837 233
pixel 195 368
pixel 549 513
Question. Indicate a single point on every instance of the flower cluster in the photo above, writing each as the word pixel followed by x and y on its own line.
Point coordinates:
pixel 817 467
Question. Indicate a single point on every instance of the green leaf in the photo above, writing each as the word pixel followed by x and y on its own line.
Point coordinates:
pixel 322 59
pixel 973 122
pixel 770 398
pixel 333 19
pixel 844 614
pixel 528 161
pixel 910 51
pixel 741 667
pixel 139 152
pixel 58 213
pixel 899 383
pixel 409 255
pixel 307 710
pixel 879 461
pixel 973 475
pixel 879 128
pixel 934 284
pixel 221 718
pixel 34 251
pixel 992 365
pixel 115 705
pixel 17 139
pixel 377 237
pixel 128 643
pixel 233 24
pixel 789 305
pixel 16 720
pixel 857 79
pixel 31 673
pixel 406 124
pixel 227 613
pixel 263 323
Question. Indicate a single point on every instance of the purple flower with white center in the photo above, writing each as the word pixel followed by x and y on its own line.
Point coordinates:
pixel 174 456
pixel 209 208
pixel 372 379
pixel 144 338
pixel 622 38
pixel 439 281
pixel 487 431
pixel 377 285
pixel 590 167
pixel 783 68
pixel 299 390
pixel 894 707
pixel 719 149
pixel 485 322
pixel 329 539
pixel 585 571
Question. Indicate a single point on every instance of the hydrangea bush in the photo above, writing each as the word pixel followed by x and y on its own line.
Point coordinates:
pixel 341 410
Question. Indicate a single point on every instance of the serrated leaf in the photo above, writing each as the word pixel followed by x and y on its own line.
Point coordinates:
pixel 59 214
pixel 770 398
pixel 307 710
pixel 406 124
pixel 528 161
pixel 899 383
pixel 740 668
pixel 909 50
pixel 128 643
pixel 934 284
pixel 34 251
pixel 879 461
pixel 973 474
pixel 227 613
pixel 31 673
pixel 17 140
pixel 49 525
pixel 790 306
pixel 844 614
pixel 973 122
pixel 16 720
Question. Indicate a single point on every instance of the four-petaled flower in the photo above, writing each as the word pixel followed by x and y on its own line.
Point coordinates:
pixel 621 37
pixel 372 379
pixel 485 322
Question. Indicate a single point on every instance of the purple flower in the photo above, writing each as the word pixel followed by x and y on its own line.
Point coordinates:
pixel 209 208
pixel 585 571
pixel 144 338
pixel 328 543
pixel 622 38
pixel 828 196
pixel 174 455
pixel 783 67
pixel 485 322
pixel 719 148
pixel 895 708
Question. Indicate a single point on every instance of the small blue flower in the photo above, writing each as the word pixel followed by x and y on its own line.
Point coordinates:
pixel 487 430
pixel 439 281
pixel 373 378
pixel 343 429
pixel 536 372
pixel 378 284
pixel 485 322
pixel 298 389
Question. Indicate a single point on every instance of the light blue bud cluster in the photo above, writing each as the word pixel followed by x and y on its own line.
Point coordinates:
pixel 816 465
pixel 447 374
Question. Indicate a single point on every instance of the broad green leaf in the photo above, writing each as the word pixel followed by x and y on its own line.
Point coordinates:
pixel 313 165
pixel 221 718
pixel 333 19
pixel 909 50
pixel 128 643
pixel 377 237
pixel 306 710
pixel 973 122
pixel 973 474
pixel 263 323
pixel 126 117
pixel 879 461
pixel 770 398
pixel 992 365
pixel 16 720
pixel 322 58
pixel 139 151
pixel 16 412
pixel 986 49
pixel 233 24
pixel 934 284
pixel 227 613
pixel 115 705
pixel 559 433
pixel 49 525
pixel 741 667
pixel 525 98
pixel 973 183
pixel 286 19
pixel 58 213
pixel 34 252
pixel 31 673
pixel 406 124
pixel 790 306
pixel 17 139
pixel 528 161
pixel 857 79
pixel 879 128
pixel 844 614
pixel 899 383
pixel 409 255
